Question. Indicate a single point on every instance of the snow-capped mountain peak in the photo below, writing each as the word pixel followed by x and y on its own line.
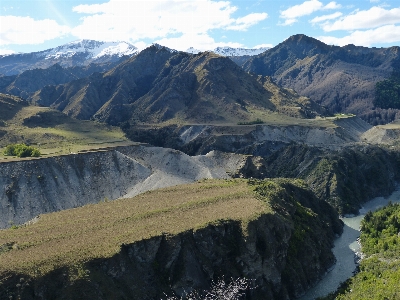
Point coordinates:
pixel 92 49
pixel 229 51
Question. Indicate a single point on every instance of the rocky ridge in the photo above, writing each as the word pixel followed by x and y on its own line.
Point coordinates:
pixel 340 78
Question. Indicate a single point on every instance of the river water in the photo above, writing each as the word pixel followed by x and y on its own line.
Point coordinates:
pixel 345 249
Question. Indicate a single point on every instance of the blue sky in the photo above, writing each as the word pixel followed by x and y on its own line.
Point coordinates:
pixel 34 25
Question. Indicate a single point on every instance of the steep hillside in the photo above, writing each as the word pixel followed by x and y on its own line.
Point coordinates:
pixel 340 78
pixel 50 130
pixel 275 233
pixel 345 178
pixel 160 85
pixel 78 53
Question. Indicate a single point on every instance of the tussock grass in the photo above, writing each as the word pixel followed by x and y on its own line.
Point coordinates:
pixel 71 237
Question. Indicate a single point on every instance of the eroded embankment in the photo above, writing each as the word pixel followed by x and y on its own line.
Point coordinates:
pixel 33 187
pixel 260 139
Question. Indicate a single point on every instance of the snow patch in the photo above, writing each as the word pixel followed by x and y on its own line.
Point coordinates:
pixel 229 51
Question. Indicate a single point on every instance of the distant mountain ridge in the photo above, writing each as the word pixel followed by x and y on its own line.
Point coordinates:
pixel 78 53
pixel 93 49
pixel 340 78
pixel 230 51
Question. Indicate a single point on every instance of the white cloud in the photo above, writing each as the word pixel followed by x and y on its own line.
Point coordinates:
pixel 141 45
pixel 263 46
pixel 26 30
pixel 332 5
pixel 163 19
pixel 245 22
pixel 374 1
pixel 326 17
pixel 201 42
pixel 306 8
pixel 6 52
pixel 364 19
pixel 381 35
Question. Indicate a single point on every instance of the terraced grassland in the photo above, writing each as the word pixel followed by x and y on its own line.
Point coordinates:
pixel 268 118
pixel 71 237
pixel 51 131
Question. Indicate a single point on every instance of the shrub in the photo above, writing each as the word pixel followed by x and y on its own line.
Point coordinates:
pixel 21 150
pixel 255 122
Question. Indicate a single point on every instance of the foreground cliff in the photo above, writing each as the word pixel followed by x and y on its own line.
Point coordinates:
pixel 274 232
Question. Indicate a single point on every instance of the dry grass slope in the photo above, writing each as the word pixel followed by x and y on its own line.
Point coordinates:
pixel 71 237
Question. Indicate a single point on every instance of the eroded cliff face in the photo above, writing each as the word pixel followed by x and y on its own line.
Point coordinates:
pixel 33 187
pixel 251 139
pixel 283 253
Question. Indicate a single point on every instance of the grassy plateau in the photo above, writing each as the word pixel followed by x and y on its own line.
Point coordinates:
pixel 52 132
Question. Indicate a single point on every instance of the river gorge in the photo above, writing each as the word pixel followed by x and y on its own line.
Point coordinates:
pixel 347 250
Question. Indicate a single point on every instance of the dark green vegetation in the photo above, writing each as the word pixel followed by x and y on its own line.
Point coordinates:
pixel 21 150
pixel 257 121
pixel 387 94
pixel 275 232
pixel 379 274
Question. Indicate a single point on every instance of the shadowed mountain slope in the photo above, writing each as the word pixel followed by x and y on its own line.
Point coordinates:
pixel 159 85
pixel 340 78
pixel 25 84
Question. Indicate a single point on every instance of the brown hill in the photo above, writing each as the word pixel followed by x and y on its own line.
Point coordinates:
pixel 340 78
pixel 162 85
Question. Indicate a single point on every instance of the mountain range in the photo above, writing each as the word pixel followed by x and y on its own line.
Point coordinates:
pixel 341 79
pixel 158 85
pixel 89 52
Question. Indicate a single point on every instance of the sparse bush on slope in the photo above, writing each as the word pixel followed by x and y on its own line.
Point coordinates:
pixel 21 150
